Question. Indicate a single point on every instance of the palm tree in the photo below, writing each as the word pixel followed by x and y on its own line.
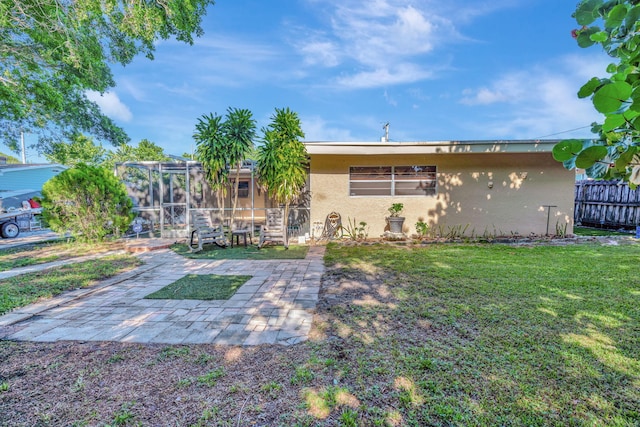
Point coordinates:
pixel 210 151
pixel 240 131
pixel 222 145
pixel 282 159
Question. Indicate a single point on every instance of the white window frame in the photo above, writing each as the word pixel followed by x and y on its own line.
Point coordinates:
pixel 430 190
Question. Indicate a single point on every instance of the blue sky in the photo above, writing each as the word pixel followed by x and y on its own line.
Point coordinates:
pixel 435 70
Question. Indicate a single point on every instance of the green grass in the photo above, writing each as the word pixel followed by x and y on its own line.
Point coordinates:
pixel 28 288
pixel 240 252
pixel 201 287
pixel 40 253
pixel 485 335
pixel 587 231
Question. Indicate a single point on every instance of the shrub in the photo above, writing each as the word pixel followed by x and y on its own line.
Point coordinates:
pixel 87 201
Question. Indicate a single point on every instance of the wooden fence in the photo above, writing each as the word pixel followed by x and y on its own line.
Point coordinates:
pixel 606 204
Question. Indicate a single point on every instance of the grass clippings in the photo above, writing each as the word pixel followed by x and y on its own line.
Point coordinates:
pixel 444 335
pixel 201 287
pixel 25 289
pixel 269 252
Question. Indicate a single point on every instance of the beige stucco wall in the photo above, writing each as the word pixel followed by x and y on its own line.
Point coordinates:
pixel 494 193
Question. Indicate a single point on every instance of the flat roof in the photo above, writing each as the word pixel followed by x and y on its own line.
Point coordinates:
pixel 430 147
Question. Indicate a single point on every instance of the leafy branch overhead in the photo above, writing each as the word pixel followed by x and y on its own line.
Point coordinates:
pixel 53 51
pixel 614 154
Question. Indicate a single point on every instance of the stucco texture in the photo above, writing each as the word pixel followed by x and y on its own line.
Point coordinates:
pixel 488 194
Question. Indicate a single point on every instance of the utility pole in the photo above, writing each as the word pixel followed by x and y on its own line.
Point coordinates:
pixel 24 154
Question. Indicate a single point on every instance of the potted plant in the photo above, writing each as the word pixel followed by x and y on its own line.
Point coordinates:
pixel 395 220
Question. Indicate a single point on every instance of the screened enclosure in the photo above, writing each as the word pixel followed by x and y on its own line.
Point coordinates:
pixel 165 196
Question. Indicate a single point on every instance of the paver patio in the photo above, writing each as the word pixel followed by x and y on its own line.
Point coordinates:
pixel 275 306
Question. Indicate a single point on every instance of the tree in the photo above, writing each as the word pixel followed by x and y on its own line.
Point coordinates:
pixel 10 159
pixel 88 201
pixel 239 130
pixel 145 151
pixel 210 151
pixel 222 145
pixel 81 149
pixel 282 159
pixel 53 51
pixel 615 152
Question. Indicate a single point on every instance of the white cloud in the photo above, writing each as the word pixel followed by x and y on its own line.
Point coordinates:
pixel 402 73
pixel 317 129
pixel 538 102
pixel 110 105
pixel 220 60
pixel 134 90
pixel 390 99
pixel 386 39
pixel 509 88
pixel 320 53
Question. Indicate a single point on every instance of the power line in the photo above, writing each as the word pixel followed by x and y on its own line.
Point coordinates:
pixel 564 131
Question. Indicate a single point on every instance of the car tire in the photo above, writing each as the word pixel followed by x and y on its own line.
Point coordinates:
pixel 9 230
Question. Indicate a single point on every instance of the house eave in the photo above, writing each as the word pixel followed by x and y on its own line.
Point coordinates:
pixel 20 167
pixel 429 147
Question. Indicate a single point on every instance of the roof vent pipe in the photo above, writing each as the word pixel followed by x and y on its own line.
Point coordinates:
pixel 385 138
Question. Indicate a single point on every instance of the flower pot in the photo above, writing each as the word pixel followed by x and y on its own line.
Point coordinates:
pixel 395 224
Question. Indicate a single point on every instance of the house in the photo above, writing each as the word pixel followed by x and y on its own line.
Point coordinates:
pixel 488 188
pixel 20 182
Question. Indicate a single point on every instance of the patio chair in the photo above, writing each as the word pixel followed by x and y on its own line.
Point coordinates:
pixel 274 229
pixel 206 231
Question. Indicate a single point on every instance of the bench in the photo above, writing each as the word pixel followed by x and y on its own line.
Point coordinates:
pixel 274 229
pixel 205 231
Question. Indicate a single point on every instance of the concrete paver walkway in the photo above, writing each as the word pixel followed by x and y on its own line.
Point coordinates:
pixel 275 306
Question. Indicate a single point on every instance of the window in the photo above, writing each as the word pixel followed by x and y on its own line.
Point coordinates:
pixel 392 180
pixel 243 189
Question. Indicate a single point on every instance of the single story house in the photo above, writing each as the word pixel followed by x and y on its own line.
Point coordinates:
pixel 488 188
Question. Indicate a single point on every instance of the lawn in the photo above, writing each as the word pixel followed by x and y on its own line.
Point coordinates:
pixel 589 231
pixel 491 335
pixel 201 287
pixel 443 335
pixel 25 289
pixel 40 253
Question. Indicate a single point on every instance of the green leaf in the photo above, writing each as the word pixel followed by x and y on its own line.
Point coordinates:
pixel 584 38
pixel 612 68
pixel 599 37
pixel 612 122
pixel 616 16
pixel 610 97
pixel 589 87
pixel 587 11
pixel 632 17
pixel 567 149
pixel 590 156
pixel 625 158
